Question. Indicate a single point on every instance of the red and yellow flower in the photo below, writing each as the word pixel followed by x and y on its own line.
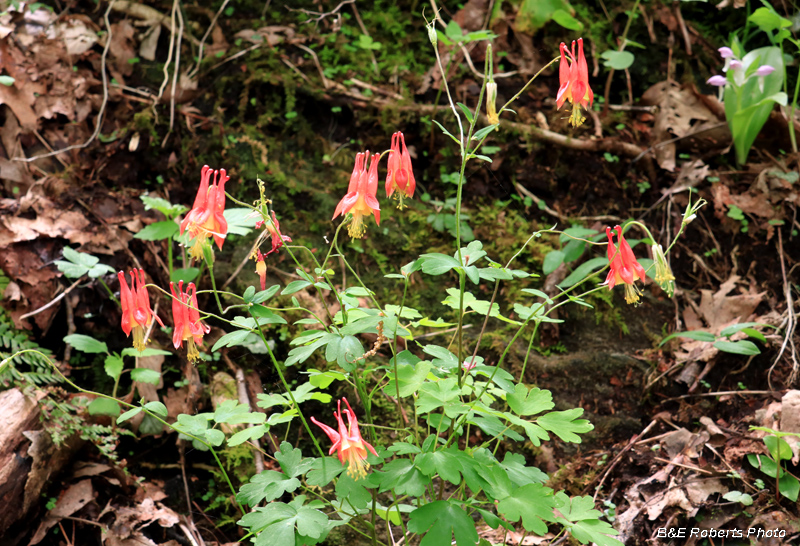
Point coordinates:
pixel 573 77
pixel 399 175
pixel 136 312
pixel 348 442
pixel 186 316
pixel 361 198
pixel 624 267
pixel 261 269
pixel 206 217
pixel 274 229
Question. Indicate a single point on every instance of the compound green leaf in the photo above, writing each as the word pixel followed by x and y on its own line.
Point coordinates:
pixel 443 520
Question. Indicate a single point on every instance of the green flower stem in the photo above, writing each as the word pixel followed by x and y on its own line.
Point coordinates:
pixel 214 285
pixel 528 353
pixel 401 417
pixel 110 293
pixel 792 135
pixel 286 386
pixel 130 406
pixel 169 257
pixel 321 298
pixel 524 87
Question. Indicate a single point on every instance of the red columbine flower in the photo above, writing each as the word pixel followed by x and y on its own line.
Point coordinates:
pixel 361 199
pixel 261 269
pixel 187 320
pixel 573 78
pixel 206 217
pixel 348 442
pixel 399 175
pixel 274 229
pixel 624 267
pixel 136 312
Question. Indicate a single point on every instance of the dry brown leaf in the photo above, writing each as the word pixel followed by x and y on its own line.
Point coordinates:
pixel 790 421
pixel 73 499
pixel 680 113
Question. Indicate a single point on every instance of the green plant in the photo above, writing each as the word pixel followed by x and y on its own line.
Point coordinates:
pixel 16 348
pixel 786 483
pixel 723 341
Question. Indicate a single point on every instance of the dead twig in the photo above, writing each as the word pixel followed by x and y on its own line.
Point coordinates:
pixel 790 321
pixel 205 37
pixel 617 459
pixel 320 15
pixel 51 302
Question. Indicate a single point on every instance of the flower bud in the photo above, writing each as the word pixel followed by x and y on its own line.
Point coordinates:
pixel 664 276
pixel 432 36
pixel 725 52
pixel 765 70
pixel 718 81
pixel 491 99
pixel 736 64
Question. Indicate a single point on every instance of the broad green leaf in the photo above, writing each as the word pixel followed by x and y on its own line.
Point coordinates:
pixel 295 286
pixel 441 521
pixel 146 375
pixel 233 413
pixel 789 486
pixel 738 496
pixel 158 408
pixel 104 406
pixel 409 378
pixel 247 435
pixel 354 491
pixel 402 476
pixel 443 357
pixel 241 221
pixel 466 111
pixel 292 461
pixel 582 271
pixel 741 347
pixel 148 351
pixel 266 486
pixel 730 330
pixel 530 402
pixel 533 503
pixel 231 339
pixel 436 394
pixel 552 260
pixel 697 335
pixel 186 275
pixel 443 462
pixel 87 344
pixel 345 351
pixel 163 206
pixel 157 231
pixel 127 415
pixel 566 20
pixel 617 60
pixel 113 366
pixel 565 424
pixel 437 264
pixel 518 473
pixel 778 448
pixel 323 470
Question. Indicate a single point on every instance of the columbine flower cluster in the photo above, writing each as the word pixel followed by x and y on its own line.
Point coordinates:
pixel 205 220
pixel 361 198
pixel 734 68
